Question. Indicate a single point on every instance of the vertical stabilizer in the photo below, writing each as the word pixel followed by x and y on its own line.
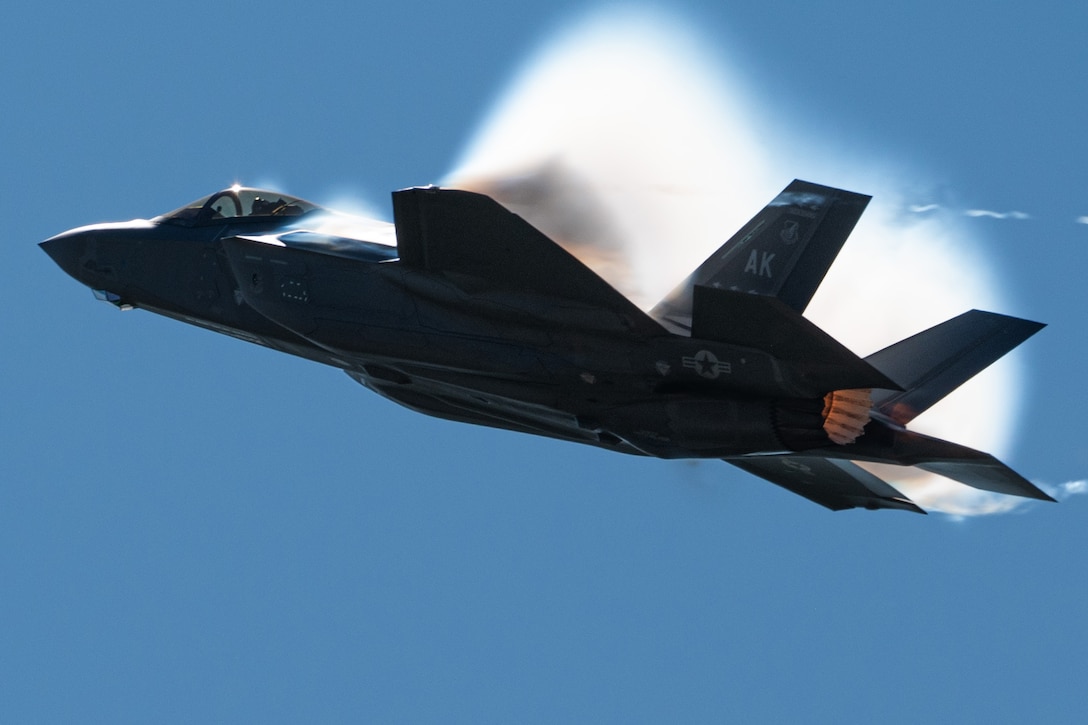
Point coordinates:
pixel 783 252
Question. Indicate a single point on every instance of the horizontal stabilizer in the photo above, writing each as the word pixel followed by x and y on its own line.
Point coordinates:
pixel 784 251
pixel 968 466
pixel 987 474
pixel 470 236
pixel 933 363
pixel 884 443
pixel 835 484
pixel 768 324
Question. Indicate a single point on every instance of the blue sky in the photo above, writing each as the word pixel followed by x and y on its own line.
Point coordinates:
pixel 193 529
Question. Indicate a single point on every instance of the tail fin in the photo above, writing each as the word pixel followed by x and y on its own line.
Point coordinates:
pixel 933 363
pixel 783 252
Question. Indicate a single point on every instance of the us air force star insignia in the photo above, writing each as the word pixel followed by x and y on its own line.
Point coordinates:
pixel 706 364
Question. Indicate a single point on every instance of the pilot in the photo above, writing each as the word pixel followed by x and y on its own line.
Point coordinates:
pixel 263 207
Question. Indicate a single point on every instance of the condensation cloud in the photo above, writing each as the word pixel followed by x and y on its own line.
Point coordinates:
pixel 997 214
pixel 632 144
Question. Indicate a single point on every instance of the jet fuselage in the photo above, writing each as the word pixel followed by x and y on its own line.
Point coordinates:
pixel 471 314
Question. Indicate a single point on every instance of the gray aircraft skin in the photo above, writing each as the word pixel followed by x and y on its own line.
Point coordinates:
pixel 470 313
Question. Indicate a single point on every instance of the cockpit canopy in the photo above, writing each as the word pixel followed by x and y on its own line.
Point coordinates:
pixel 238 203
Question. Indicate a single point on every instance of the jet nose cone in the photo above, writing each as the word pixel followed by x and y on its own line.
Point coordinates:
pixel 67 250
pixel 97 256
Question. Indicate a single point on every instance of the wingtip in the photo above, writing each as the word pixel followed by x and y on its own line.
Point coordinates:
pixel 1029 327
pixel 1044 496
pixel 911 506
pixel 897 503
pixel 905 504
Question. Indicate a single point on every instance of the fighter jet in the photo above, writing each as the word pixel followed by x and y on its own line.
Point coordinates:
pixel 463 310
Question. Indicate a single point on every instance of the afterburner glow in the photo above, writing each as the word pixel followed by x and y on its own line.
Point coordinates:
pixel 628 142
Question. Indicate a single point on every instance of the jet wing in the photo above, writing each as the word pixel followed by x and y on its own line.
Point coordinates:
pixel 835 484
pixel 480 246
